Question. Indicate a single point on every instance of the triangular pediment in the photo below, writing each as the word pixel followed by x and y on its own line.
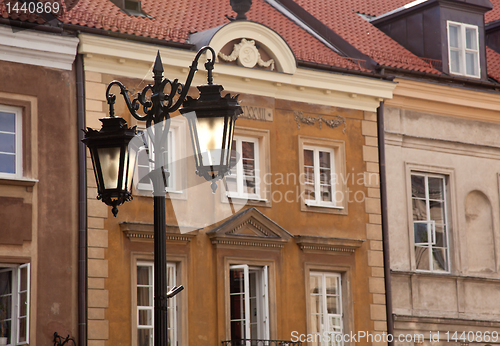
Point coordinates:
pixel 251 228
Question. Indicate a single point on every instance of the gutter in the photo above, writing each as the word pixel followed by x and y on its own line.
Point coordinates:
pixel 385 229
pixel 82 205
pixel 318 66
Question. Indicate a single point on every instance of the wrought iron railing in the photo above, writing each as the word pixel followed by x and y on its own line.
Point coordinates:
pixel 258 342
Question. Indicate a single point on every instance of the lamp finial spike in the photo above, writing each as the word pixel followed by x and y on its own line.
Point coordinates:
pixel 158 66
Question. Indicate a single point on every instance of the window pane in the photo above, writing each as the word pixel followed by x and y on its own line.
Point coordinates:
pixel 8 142
pixel 236 281
pixel 7 122
pixel 417 186
pixel 335 323
pixel 435 188
pixel 315 323
pixel 455 61
pixel 7 163
pixel 437 211
pixel 24 278
pixel 419 209
pixel 7 325
pixel 470 38
pixel 144 337
pixel 23 304
pixel 471 64
pixel 248 150
pixel 422 258
pixel 441 236
pixel 231 182
pixel 308 158
pixel 315 284
pixel 332 305
pixel 315 304
pixel 439 259
pixel 5 283
pixel 454 32
pixel 143 275
pixel 324 159
pixel 22 329
pixel 250 185
pixel 143 296
pixel 237 306
pixel 331 285
pixel 421 231
pixel 145 317
pixel 248 167
pixel 237 330
pixel 326 193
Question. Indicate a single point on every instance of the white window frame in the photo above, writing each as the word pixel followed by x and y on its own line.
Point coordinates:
pixel 240 185
pixel 431 227
pixel 18 142
pixel 262 290
pixel 16 307
pixel 317 202
pixel 463 49
pixel 324 312
pixel 172 317
pixel 172 184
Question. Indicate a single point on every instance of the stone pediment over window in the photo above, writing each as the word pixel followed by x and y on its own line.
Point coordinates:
pixel 249 228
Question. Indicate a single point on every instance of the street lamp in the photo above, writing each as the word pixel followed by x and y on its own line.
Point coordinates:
pixel 211 120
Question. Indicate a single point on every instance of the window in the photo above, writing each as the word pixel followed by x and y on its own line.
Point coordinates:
pixel 146 164
pixel 322 175
pixel 243 180
pixel 145 304
pixel 319 168
pixel 326 306
pixel 11 163
pixel 14 304
pixel 430 225
pixel 463 45
pixel 249 302
pixel 174 157
pixel 249 181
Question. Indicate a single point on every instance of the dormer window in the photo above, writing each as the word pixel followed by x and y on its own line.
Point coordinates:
pixel 130 7
pixel 463 49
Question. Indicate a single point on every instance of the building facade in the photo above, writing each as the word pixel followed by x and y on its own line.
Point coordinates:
pixel 38 189
pixel 289 246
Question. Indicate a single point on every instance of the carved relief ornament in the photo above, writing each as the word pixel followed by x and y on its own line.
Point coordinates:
pixel 247 55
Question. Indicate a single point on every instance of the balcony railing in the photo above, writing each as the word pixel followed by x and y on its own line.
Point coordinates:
pixel 257 342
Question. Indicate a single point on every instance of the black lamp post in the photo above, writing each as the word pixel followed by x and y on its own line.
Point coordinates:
pixel 211 120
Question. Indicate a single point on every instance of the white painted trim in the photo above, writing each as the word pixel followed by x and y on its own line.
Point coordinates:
pixel 37 48
pixel 276 46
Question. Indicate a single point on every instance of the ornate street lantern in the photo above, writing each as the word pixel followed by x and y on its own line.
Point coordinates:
pixel 112 160
pixel 211 120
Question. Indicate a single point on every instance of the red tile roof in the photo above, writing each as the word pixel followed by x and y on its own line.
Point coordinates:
pixel 494 14
pixel 493 64
pixel 175 20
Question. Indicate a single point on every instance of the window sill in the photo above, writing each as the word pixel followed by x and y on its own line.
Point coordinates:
pixel 18 181
pixel 248 198
pixel 316 205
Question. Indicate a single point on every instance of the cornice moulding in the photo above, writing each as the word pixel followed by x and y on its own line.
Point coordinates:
pixel 134 60
pixel 447 95
pixel 318 244
pixel 144 232
pixel 37 48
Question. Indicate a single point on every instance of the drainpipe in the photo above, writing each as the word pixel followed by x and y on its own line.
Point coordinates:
pixel 82 206
pixel 385 229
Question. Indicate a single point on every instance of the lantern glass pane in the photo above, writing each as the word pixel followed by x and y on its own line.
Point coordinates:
pixel 210 135
pixel 131 168
pixel 110 166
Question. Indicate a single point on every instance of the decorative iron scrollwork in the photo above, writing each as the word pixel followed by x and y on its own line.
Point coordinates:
pixel 60 341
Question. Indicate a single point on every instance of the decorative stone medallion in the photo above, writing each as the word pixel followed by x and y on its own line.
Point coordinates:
pixel 246 54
